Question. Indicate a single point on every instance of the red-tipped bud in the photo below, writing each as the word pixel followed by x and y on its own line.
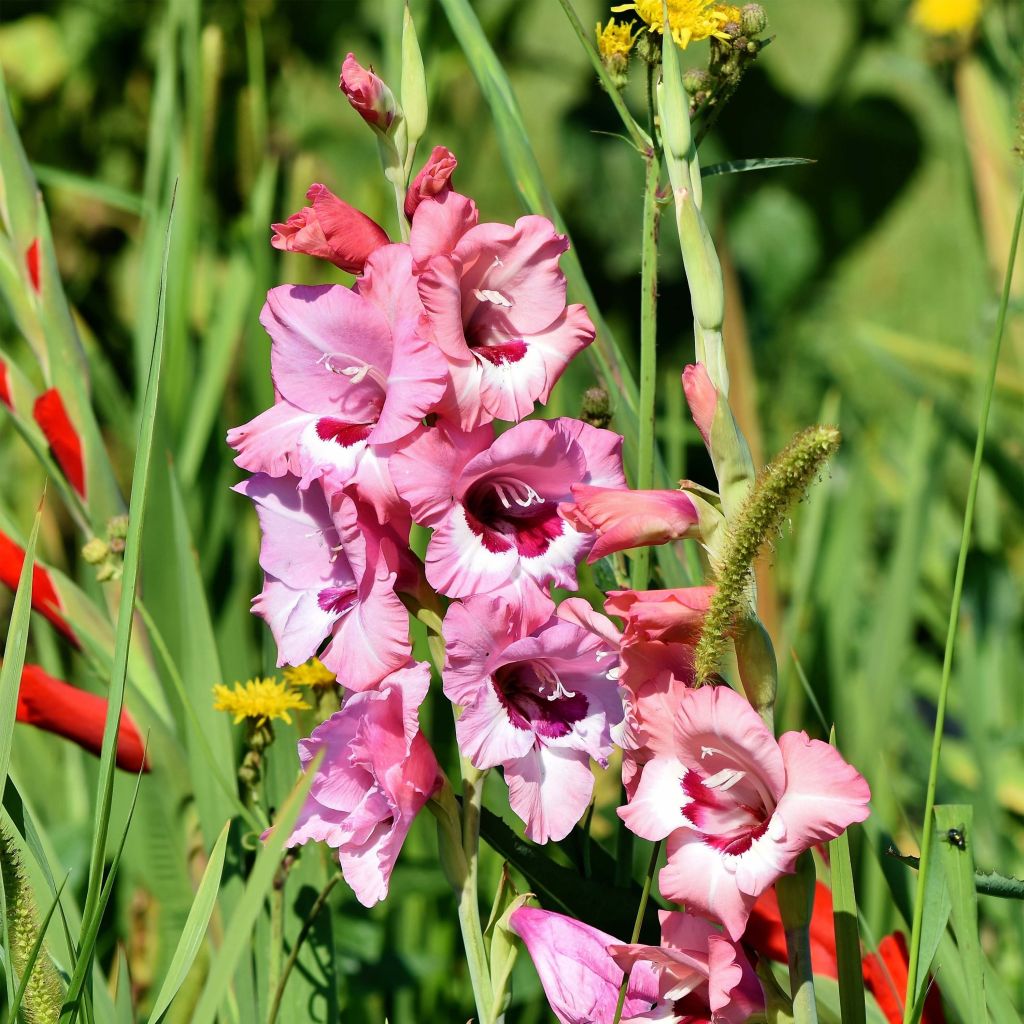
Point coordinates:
pixel 368 95
pixel 32 264
pixel 44 594
pixel 702 397
pixel 64 710
pixel 56 425
pixel 5 386
pixel 331 230
pixel 433 180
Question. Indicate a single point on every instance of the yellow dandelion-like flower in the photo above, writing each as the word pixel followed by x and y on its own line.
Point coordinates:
pixel 947 17
pixel 313 673
pixel 690 20
pixel 614 41
pixel 259 699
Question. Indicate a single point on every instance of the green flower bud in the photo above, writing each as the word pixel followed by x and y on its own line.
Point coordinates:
pixel 696 80
pixel 596 408
pixel 118 527
pixel 753 19
pixel 95 551
pixel 414 83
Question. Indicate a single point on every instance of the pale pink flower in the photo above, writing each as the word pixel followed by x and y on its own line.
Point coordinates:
pixel 538 699
pixel 702 397
pixel 376 774
pixel 624 519
pixel 368 95
pixel 671 616
pixel 737 807
pixel 495 301
pixel 493 504
pixel 330 573
pixel 331 230
pixel 433 179
pixel 580 978
pixel 702 976
pixel 354 376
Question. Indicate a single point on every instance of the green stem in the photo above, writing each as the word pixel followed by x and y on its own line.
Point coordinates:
pixel 469 904
pixel 276 935
pixel 293 957
pixel 915 968
pixel 796 908
pixel 637 925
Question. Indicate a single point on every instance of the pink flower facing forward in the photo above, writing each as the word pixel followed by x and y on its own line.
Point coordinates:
pixel 539 702
pixel 624 519
pixel 330 574
pixel 737 807
pixel 354 376
pixel 331 230
pixel 703 978
pixel 377 773
pixel 580 978
pixel 493 505
pixel 495 300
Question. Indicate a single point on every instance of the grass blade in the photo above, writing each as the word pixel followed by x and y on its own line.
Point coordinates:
pixel 129 579
pixel 758 163
pixel 240 929
pixel 954 826
pixel 195 928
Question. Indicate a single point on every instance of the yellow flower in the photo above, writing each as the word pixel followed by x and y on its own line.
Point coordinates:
pixel 614 41
pixel 259 699
pixel 690 20
pixel 947 17
pixel 313 673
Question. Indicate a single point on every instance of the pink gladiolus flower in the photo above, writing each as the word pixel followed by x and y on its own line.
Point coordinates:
pixel 736 806
pixel 580 978
pixel 538 699
pixel 377 773
pixel 367 94
pixel 493 505
pixel 329 572
pixel 331 230
pixel 624 519
pixel 671 616
pixel 702 397
pixel 702 976
pixel 495 301
pixel 433 180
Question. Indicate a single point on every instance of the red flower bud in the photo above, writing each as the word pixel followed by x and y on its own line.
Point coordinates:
pixel 53 705
pixel 53 420
pixel 5 387
pixel 371 99
pixel 331 230
pixel 434 179
pixel 32 263
pixel 44 594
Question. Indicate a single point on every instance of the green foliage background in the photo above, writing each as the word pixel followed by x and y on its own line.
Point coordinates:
pixel 862 288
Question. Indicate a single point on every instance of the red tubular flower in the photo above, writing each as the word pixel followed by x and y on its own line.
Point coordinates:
pixel 331 230
pixel 5 387
pixel 32 263
pixel 56 425
pixel 44 595
pixel 885 977
pixel 50 704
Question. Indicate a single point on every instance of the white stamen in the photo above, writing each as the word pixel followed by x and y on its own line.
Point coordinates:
pixel 725 779
pixel 356 372
pixel 517 491
pixel 549 677
pixel 490 295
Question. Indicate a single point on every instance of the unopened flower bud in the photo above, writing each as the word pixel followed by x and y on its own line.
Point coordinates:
pixel 368 95
pixel 433 180
pixel 117 546
pixel 695 80
pixel 596 408
pixel 732 28
pixel 106 572
pixel 753 19
pixel 95 551
pixel 118 527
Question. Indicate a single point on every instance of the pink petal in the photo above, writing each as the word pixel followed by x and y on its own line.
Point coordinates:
pixel 269 443
pixel 438 225
pixel 702 398
pixel 549 789
pixel 655 809
pixel 460 561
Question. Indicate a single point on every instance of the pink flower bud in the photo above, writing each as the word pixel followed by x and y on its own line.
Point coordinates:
pixel 331 230
pixel 371 99
pixel 433 180
pixel 702 397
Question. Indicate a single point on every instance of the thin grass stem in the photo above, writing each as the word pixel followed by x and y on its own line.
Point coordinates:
pixel 641 910
pixel 914 969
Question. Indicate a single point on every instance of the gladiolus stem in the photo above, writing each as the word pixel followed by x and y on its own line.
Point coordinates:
pixel 638 924
pixel 915 967
pixel 796 907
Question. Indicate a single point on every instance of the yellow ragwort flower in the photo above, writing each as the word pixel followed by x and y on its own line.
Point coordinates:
pixel 690 20
pixel 947 17
pixel 614 41
pixel 259 699
pixel 313 673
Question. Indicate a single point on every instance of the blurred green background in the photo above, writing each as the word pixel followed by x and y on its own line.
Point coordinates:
pixel 862 288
